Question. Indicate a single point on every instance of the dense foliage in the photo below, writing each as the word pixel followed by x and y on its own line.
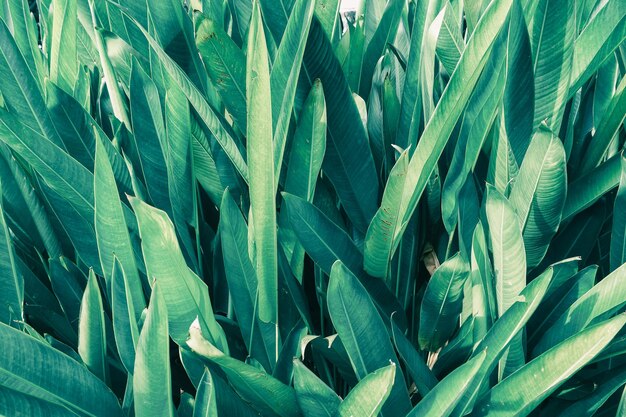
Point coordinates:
pixel 265 207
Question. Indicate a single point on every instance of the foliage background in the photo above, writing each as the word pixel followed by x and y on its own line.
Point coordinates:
pixel 265 208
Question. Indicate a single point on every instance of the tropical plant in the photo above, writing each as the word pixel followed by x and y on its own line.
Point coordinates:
pixel 269 207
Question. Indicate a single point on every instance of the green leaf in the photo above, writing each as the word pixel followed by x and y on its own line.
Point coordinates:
pixel 411 103
pixel 11 281
pixel 261 160
pixel 590 404
pixel 502 333
pixel 539 193
pixel 482 108
pixel 260 389
pixel 450 43
pixel 205 404
pixel 553 32
pixel 508 249
pixel 111 230
pixel 448 110
pixel 13 403
pixel 285 74
pixel 125 316
pixel 206 114
pixel 586 190
pixel 152 386
pixel 423 377
pixel 442 303
pixel 92 338
pixel 370 394
pixel 315 398
pixel 606 129
pixel 363 333
pixel 618 230
pixel 379 243
pixel 305 162
pixel 385 33
pixel 348 161
pixel 606 295
pixel 523 391
pixel 597 41
pixel 62 380
pixel 226 65
pixel 63 57
pixel 185 295
pixel 449 392
pixel 325 242
pixel 509 262
pixel 242 279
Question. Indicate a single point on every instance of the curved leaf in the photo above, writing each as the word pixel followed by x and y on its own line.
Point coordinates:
pixel 447 393
pixel 315 398
pixel 363 333
pixel 539 193
pixel 554 28
pixel 618 230
pixel 226 65
pixel 262 390
pixel 442 303
pixel 205 403
pixel 37 369
pixel 185 295
pixel 152 388
pixel 449 108
pixel 379 243
pixel 606 295
pixel 369 395
pixel 524 390
pixel 11 280
pixel 92 339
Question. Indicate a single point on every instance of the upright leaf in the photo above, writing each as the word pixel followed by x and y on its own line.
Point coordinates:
pixel 509 262
pixel 554 29
pixel 442 303
pixel 185 295
pixel 11 280
pixel 261 160
pixel 449 108
pixel 111 230
pixel 539 193
pixel 152 388
pixel 92 338
pixel 618 229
